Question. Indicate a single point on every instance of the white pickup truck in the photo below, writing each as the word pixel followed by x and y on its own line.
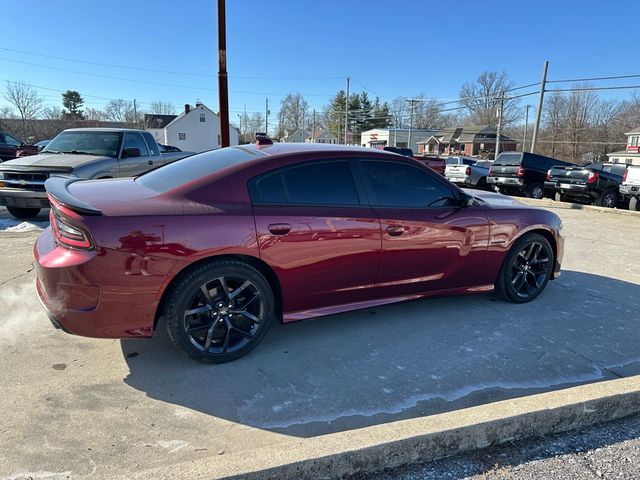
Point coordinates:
pixel 630 187
pixel 467 171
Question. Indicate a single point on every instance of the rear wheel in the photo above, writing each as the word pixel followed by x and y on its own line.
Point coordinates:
pixel 634 204
pixel 534 190
pixel 607 199
pixel 482 184
pixel 219 311
pixel 23 212
pixel 526 269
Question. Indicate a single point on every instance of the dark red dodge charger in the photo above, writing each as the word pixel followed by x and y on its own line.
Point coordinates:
pixel 222 243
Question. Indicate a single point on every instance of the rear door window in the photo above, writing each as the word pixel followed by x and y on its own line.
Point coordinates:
pixel 317 183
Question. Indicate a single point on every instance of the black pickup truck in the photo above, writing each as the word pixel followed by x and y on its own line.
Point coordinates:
pixel 596 183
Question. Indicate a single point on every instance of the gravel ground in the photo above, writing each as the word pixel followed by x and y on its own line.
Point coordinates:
pixel 608 451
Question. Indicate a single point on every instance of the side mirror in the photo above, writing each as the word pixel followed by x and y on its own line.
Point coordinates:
pixel 131 152
pixel 466 200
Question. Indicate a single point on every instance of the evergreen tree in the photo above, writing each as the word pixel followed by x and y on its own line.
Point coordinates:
pixel 72 101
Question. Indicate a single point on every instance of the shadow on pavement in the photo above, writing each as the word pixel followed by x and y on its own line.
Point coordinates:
pixel 406 360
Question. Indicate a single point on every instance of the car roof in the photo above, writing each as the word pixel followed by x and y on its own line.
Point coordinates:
pixel 101 129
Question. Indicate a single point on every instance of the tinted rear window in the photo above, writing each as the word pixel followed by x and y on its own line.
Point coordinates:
pixel 508 159
pixel 326 183
pixel 191 168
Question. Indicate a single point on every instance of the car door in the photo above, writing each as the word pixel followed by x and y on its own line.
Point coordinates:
pixel 8 146
pixel 429 242
pixel 132 166
pixel 316 231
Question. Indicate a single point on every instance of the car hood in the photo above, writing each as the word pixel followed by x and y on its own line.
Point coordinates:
pixel 45 160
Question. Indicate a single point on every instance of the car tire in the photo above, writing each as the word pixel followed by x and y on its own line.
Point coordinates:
pixel 607 199
pixel 534 190
pixel 526 269
pixel 23 213
pixel 208 324
pixel 482 184
pixel 634 204
pixel 502 190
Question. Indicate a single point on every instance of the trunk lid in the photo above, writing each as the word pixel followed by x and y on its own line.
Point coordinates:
pixel 570 175
pixel 456 170
pixel 633 175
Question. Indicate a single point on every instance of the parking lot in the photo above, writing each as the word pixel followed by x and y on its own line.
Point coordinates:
pixel 75 407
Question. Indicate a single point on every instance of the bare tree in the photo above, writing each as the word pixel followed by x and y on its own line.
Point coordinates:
pixel 25 99
pixel 160 107
pixel 482 99
pixel 119 110
pixel 7 112
pixel 293 108
pixel 94 114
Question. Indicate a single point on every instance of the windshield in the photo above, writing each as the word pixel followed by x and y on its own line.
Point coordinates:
pixel 191 168
pixel 92 143
pixel 508 159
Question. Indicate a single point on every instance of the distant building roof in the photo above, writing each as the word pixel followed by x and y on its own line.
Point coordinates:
pixel 635 130
pixel 153 120
pixel 466 134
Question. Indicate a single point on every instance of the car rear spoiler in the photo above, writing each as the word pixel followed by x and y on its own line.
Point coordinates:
pixel 58 188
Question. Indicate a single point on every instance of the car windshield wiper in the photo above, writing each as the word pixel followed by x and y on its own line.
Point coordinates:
pixel 50 151
pixel 80 152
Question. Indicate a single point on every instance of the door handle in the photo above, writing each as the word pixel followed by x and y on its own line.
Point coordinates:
pixel 279 228
pixel 395 230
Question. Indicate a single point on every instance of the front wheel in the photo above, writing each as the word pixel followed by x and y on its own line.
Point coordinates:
pixel 23 212
pixel 219 311
pixel 526 269
pixel 634 204
pixel 607 199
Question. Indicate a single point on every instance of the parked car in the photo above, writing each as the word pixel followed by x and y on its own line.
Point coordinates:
pixel 41 144
pixel 630 188
pixel 435 163
pixel 596 183
pixel 407 152
pixel 26 150
pixel 521 173
pixel 91 153
pixel 467 171
pixel 223 243
pixel 9 145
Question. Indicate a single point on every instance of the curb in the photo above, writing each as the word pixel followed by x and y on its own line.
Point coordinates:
pixel 365 451
pixel 575 206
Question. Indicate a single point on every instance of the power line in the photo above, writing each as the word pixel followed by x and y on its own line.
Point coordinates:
pixel 168 72
pixel 593 89
pixel 594 79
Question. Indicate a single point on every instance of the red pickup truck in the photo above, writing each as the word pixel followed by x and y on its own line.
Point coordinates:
pixel 435 163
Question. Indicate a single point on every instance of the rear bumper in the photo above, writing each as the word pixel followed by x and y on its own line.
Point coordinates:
pixel 82 297
pixel 630 190
pixel 505 182
pixel 15 197
pixel 466 180
pixel 574 189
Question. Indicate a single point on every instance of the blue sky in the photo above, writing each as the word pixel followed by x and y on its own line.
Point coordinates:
pixel 390 47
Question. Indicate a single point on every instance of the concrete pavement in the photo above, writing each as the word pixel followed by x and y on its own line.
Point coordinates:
pixel 75 407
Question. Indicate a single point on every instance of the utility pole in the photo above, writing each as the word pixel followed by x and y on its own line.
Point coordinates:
pixel 536 127
pixel 313 128
pixel 266 117
pixel 346 114
pixel 135 112
pixel 412 102
pixel 526 125
pixel 223 90
pixel 500 107
pixel 304 117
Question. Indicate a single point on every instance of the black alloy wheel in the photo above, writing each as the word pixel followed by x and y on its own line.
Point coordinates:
pixel 526 269
pixel 534 190
pixel 607 199
pixel 220 311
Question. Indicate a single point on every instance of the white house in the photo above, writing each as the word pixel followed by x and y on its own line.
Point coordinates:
pixel 196 129
pixel 394 137
pixel 630 156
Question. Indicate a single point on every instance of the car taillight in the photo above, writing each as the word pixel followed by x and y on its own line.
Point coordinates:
pixel 69 235
pixel 624 175
pixel 520 172
pixel 593 177
pixel 549 176
pixel 467 171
